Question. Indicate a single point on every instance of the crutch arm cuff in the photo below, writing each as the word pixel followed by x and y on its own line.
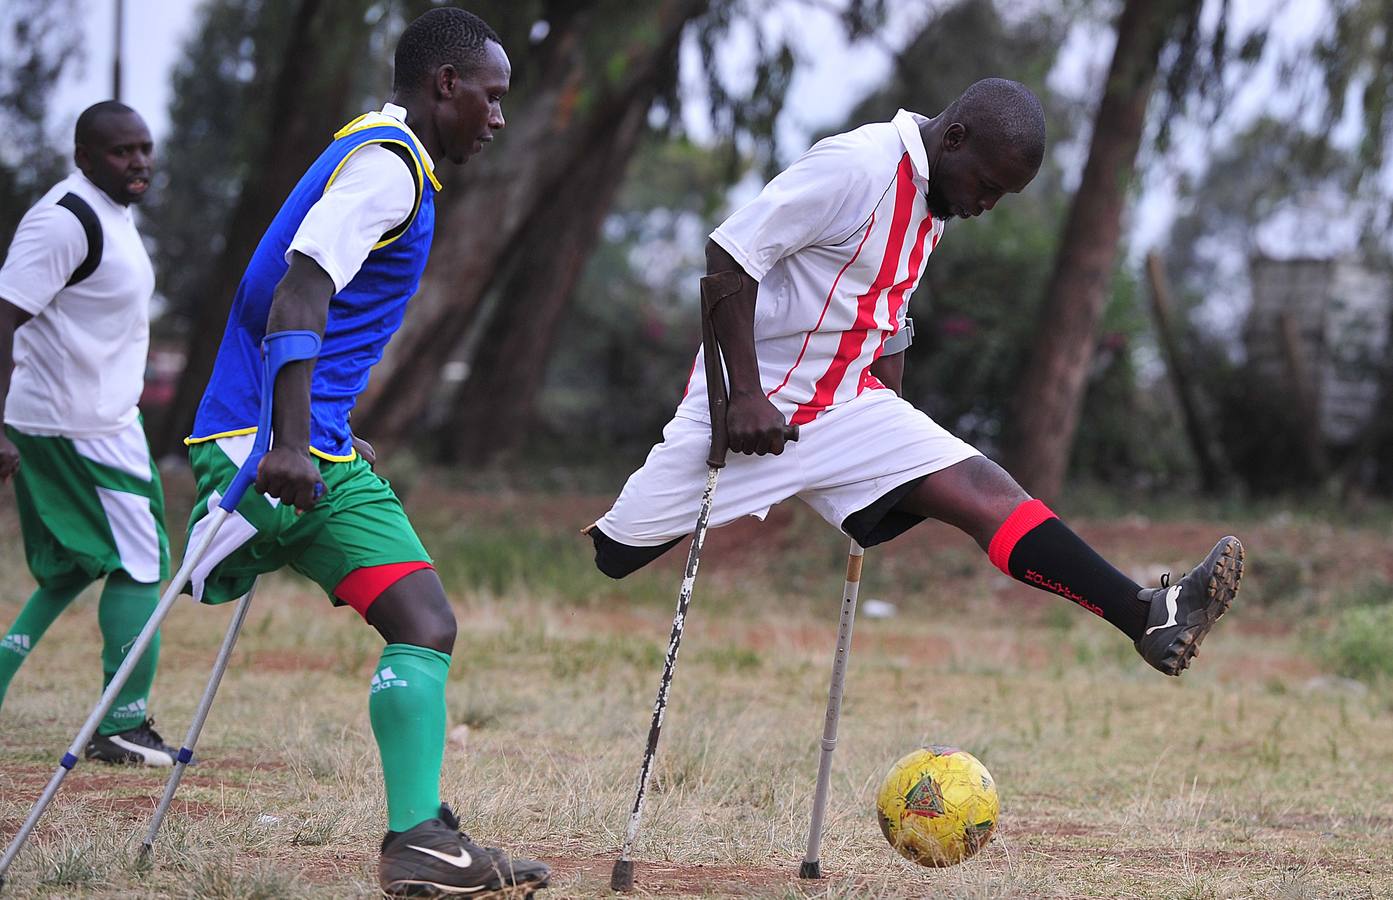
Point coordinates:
pixel 277 350
pixel 718 286
pixel 281 347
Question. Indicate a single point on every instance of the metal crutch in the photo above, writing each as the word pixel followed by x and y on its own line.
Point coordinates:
pixel 812 863
pixel 277 350
pixel 200 715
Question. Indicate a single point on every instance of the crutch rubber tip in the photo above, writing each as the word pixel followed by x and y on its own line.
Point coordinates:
pixel 810 869
pixel 622 878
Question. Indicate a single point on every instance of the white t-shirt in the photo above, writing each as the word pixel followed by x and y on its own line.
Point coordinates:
pixel 80 361
pixel 372 194
pixel 838 242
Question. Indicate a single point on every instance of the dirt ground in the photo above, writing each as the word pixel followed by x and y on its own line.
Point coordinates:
pixel 1262 773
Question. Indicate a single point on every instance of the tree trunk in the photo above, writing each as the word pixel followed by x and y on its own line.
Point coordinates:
pixel 309 101
pixel 496 405
pixel 1177 366
pixel 1051 391
pixel 494 213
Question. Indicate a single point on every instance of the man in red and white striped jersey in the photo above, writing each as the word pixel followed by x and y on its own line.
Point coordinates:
pixel 814 278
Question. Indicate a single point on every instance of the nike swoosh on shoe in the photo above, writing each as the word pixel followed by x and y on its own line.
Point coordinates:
pixel 463 861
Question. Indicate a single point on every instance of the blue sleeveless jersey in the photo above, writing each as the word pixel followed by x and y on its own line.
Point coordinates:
pixel 362 317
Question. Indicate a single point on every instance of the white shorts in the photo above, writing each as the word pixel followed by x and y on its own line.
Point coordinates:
pixel 844 461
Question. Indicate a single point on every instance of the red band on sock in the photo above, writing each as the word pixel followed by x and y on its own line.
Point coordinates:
pixel 1022 521
pixel 362 586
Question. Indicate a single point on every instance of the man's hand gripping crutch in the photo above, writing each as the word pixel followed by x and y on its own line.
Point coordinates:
pixel 714 289
pixel 278 349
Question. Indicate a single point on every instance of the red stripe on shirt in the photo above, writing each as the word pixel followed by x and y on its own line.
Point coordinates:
pixel 826 304
pixel 916 259
pixel 854 338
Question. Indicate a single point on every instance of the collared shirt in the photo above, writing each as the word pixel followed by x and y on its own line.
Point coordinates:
pixel 838 242
pixel 80 361
pixel 372 194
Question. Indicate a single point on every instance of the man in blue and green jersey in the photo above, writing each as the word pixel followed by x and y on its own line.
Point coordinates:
pixel 342 258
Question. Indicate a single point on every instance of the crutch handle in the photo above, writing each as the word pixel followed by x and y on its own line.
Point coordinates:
pixel 277 350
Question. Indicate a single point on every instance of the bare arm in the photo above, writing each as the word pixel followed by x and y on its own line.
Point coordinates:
pixel 11 317
pixel 301 303
pixel 755 424
pixel 890 371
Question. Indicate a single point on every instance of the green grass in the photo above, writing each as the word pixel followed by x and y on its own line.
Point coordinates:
pixel 1256 775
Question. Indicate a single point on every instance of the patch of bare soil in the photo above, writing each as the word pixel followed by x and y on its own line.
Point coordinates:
pixel 667 879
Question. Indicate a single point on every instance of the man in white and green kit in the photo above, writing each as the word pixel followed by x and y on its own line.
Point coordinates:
pixel 74 330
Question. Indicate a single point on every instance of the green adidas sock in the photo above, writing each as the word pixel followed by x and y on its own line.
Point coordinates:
pixel 123 610
pixel 43 607
pixel 407 709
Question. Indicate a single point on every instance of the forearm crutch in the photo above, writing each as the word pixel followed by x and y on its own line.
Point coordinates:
pixel 812 863
pixel 185 756
pixel 277 350
pixel 714 289
pixel 622 876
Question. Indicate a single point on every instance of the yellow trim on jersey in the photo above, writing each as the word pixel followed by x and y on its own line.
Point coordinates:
pixel 353 454
pixel 353 126
pixel 188 441
pixel 191 440
pixel 420 185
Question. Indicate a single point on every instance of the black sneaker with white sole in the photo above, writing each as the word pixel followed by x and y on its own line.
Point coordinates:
pixel 141 746
pixel 436 859
pixel 1182 614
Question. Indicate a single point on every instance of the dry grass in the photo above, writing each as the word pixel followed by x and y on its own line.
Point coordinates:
pixel 1256 775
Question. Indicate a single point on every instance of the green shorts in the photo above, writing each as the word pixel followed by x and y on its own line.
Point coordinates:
pixel 90 506
pixel 359 522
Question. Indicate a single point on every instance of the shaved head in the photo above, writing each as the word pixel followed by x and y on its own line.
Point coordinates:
pixel 114 150
pixel 89 122
pixel 1005 115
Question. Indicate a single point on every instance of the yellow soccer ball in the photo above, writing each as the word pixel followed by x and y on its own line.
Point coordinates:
pixel 938 806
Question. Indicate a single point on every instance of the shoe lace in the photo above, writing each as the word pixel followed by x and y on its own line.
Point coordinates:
pixel 1165 579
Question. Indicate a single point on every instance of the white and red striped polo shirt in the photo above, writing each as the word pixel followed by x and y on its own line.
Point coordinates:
pixel 837 242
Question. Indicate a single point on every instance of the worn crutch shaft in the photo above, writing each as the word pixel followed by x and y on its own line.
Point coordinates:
pixel 277 349
pixel 118 681
pixel 622 877
pixel 812 863
pixel 200 715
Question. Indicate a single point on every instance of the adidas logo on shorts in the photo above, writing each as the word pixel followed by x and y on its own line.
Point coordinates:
pixel 133 710
pixel 386 678
pixel 16 643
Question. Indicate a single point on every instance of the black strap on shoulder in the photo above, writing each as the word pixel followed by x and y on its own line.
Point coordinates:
pixel 411 166
pixel 92 228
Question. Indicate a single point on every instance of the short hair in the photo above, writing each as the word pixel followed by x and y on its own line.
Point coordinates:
pixel 85 132
pixel 444 36
pixel 1006 114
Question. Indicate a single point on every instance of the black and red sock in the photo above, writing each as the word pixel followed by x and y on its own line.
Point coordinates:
pixel 1033 546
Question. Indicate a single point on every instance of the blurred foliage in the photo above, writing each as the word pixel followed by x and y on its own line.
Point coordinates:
pixel 976 311
pixel 203 161
pixel 1357 54
pixel 222 87
pixel 37 45
pixel 1309 183
pixel 633 329
pixel 630 332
